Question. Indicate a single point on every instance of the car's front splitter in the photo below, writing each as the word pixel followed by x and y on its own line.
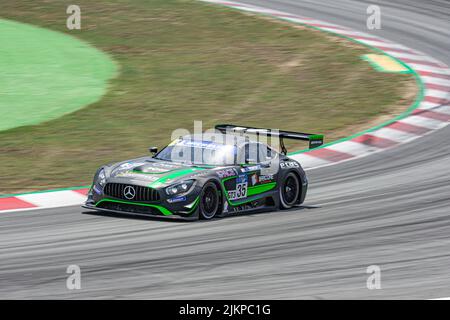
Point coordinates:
pixel 175 211
pixel 172 216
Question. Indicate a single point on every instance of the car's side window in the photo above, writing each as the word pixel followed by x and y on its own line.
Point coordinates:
pixel 257 152
pixel 268 154
pixel 252 152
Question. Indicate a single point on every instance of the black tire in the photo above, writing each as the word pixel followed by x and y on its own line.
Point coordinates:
pixel 289 191
pixel 209 201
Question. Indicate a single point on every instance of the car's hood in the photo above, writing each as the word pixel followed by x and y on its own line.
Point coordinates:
pixel 155 173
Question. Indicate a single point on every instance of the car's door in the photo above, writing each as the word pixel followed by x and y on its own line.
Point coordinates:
pixel 264 178
pixel 254 174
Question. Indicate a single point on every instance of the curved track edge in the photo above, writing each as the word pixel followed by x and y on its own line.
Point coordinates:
pixel 429 112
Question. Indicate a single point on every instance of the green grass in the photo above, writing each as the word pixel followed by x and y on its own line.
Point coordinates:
pixel 180 61
pixel 43 82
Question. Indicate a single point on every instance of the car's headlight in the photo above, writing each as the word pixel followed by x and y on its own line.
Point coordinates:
pixel 101 178
pixel 178 188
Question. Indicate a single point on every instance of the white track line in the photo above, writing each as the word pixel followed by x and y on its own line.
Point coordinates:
pixel 421 67
pixel 424 122
pixel 434 107
pixel 309 162
pixel 376 43
pixel 54 199
pixel 353 148
pixel 411 56
pixel 394 135
pixel 433 80
pixel 437 93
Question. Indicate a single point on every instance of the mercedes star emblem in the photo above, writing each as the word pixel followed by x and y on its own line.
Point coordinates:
pixel 129 192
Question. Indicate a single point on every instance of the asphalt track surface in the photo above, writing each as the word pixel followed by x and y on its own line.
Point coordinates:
pixel 391 209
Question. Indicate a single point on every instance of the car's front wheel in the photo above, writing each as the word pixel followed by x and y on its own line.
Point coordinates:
pixel 289 191
pixel 209 201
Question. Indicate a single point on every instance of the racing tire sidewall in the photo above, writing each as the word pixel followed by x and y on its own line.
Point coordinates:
pixel 209 211
pixel 290 177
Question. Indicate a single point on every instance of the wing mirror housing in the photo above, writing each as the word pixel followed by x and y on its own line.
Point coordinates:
pixel 265 165
pixel 251 161
pixel 153 150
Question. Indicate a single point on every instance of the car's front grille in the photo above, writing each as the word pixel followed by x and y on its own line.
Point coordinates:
pixel 131 193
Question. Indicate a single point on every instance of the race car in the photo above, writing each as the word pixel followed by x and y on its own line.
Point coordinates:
pixel 203 177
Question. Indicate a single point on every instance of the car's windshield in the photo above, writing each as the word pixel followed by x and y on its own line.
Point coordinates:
pixel 199 153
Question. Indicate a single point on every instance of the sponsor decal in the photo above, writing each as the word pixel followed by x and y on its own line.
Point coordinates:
pixel 130 165
pixel 97 190
pixel 154 170
pixel 248 206
pixel 242 207
pixel 167 165
pixel 225 206
pixel 199 174
pixel 226 173
pixel 128 174
pixel 201 144
pixel 242 178
pixel 252 168
pixel 266 178
pixel 125 169
pixel 177 199
pixel 316 142
pixel 241 188
pixel 289 164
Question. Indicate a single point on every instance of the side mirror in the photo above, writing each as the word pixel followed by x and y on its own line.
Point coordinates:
pixel 153 150
pixel 251 161
pixel 265 165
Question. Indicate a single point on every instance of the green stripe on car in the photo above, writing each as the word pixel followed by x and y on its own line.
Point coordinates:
pixel 172 176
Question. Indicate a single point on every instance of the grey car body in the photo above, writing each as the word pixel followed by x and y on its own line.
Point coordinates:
pixel 160 186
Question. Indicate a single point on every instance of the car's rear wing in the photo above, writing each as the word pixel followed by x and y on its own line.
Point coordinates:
pixel 315 140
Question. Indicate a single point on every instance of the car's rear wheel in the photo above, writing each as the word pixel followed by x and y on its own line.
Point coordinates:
pixel 289 191
pixel 209 201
